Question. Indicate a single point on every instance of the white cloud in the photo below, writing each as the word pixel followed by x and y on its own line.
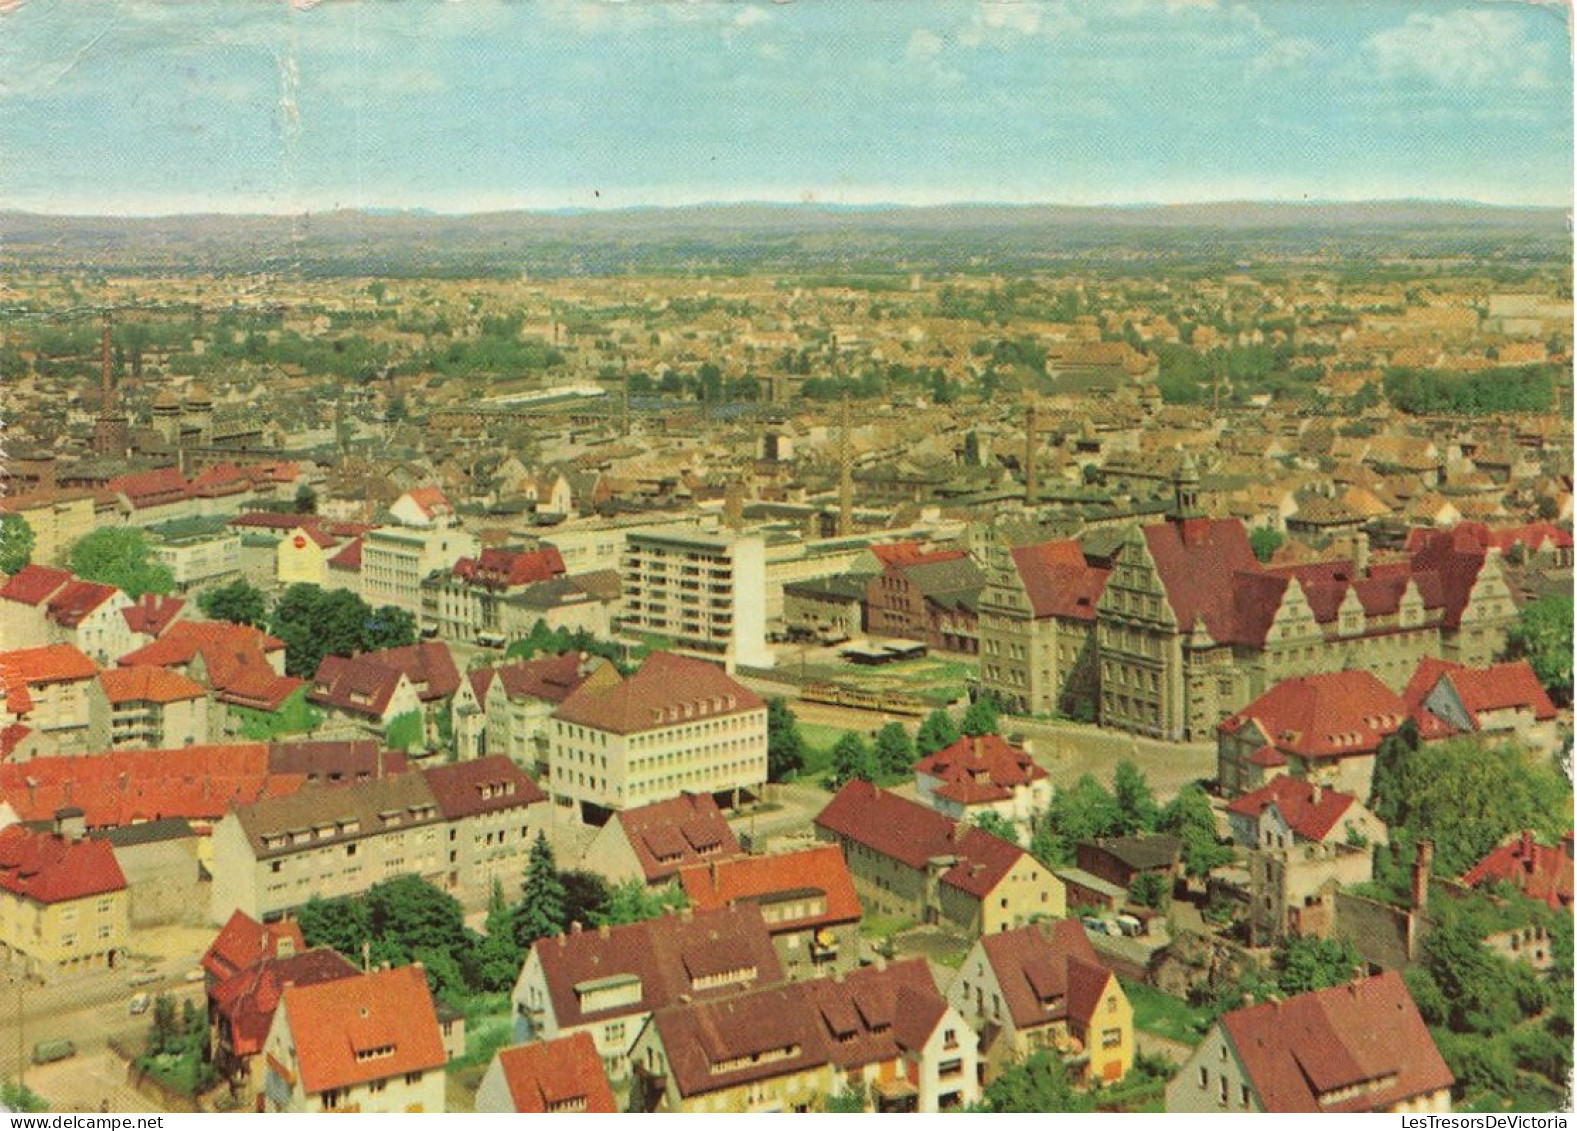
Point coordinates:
pixel 750 17
pixel 1281 55
pixel 1466 48
pixel 924 46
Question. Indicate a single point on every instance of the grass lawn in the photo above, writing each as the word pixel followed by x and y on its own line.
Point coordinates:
pixel 883 926
pixel 819 741
pixel 1166 1016
pixel 296 716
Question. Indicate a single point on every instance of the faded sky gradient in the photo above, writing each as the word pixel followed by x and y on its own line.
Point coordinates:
pixel 131 106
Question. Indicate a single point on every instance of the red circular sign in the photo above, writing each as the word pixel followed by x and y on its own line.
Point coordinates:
pixel 300 541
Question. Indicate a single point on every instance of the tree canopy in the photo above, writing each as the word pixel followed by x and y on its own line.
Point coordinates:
pixel 315 622
pixel 1189 817
pixel 239 602
pixel 894 753
pixel 541 910
pixel 16 543
pixel 120 556
pixel 1039 1083
pixel 1543 636
pixel 937 732
pixel 982 717
pixel 785 747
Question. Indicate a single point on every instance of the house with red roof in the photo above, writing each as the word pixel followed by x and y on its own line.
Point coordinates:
pixel 1323 728
pixel 547 1078
pixel 472 596
pixel 1537 870
pixel 1288 810
pixel 146 707
pixel 378 687
pixel 424 507
pixel 652 843
pixel 807 898
pixel 911 862
pixel 242 666
pixel 518 700
pixel 1043 987
pixel 64 904
pixel 1037 628
pixel 980 774
pixel 1360 1047
pixel 46 693
pixel 678 725
pixel 151 615
pixel 156 496
pixel 366 1043
pixel 494 812
pixel 1499 701
pixel 607 981
pixel 40 605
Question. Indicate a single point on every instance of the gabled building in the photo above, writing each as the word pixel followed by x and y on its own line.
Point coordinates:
pixel 1037 628
pixel 378 687
pixel 1538 871
pixel 1289 810
pixel 1358 1047
pixel 1044 987
pixel 242 666
pixel 547 1078
pixel 980 774
pixel 64 904
pixel 933 598
pixel 653 843
pixel 46 694
pixel 807 898
pixel 912 862
pixel 468 599
pixel 1500 701
pixel 371 694
pixel 494 812
pixel 517 701
pixel 678 725
pixel 39 605
pixel 367 1043
pixel 606 982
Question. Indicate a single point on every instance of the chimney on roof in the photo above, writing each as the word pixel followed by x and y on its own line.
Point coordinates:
pixel 1422 860
pixel 880 961
pixel 1525 849
pixel 574 927
pixel 604 931
pixel 977 746
pixel 366 956
pixel 1316 795
pixel 70 823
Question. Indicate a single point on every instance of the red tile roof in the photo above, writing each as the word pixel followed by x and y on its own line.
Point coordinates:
pixel 245 1003
pixel 562 1075
pixel 1310 811
pixel 1334 715
pixel 430 500
pixel 669 835
pixel 785 877
pixel 716 1045
pixel 78 600
pixel 912 834
pixel 666 691
pixel 1059 581
pixel 370 1027
pixel 124 787
pixel 482 785
pixel 1039 970
pixel 53 663
pixel 354 686
pixel 147 684
pixel 47 868
pixel 551 678
pixel 151 488
pixel 235 656
pixel 31 584
pixel 348 558
pixel 1536 870
pixel 1499 687
pixel 508 569
pixel 429 666
pixel 153 614
pixel 980 768
pixel 244 942
pixel 1197 561
pixel 891 553
pixel 1364 1035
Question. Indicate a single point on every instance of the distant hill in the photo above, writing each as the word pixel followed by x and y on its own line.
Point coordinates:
pixel 727 238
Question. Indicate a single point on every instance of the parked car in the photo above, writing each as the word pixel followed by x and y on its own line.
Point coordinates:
pixel 1099 926
pixel 47 1052
pixel 139 1004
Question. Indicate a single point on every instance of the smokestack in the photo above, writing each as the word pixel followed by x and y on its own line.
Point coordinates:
pixel 845 476
pixel 1031 443
pixel 107 395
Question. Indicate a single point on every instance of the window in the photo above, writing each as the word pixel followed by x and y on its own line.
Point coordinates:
pixel 1221 1090
pixel 1111 1038
pixel 331 1099
pixel 1243 1096
pixel 1204 1076
pixel 413 1078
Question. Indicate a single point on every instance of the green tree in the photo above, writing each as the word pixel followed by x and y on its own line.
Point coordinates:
pixel 120 556
pixel 1082 812
pixel 586 896
pixel 314 622
pixel 404 732
pixel 1265 542
pixel 997 825
pixel 1189 817
pixel 410 920
pixel 340 924
pixel 1543 636
pixel 306 500
pixel 1151 889
pixel 1470 978
pixel 1307 963
pixel 498 955
pixel 981 717
pixel 239 602
pixel 389 627
pixel 785 747
pixel 852 760
pixel 632 902
pixel 894 750
pixel 852 1100
pixel 164 1031
pixel 16 543
pixel 20 1098
pixel 937 732
pixel 1137 811
pixel 540 912
pixel 1039 1083
pixel 1386 782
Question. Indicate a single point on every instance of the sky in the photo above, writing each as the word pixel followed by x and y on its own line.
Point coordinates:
pixel 145 108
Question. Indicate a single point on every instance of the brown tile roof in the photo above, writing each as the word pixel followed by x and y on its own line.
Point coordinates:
pixel 666 691
pixel 429 666
pixel 1059 581
pixel 482 785
pixel 784 877
pixel 669 835
pixel 1037 968
pixel 1536 870
pixel 562 1075
pixel 875 1014
pixel 1309 810
pixel 245 1002
pixel 76 601
pixel 333 762
pixel 701 953
pixel 145 683
pixel 350 684
pixel 1197 560
pixel 369 1027
pixel 551 678
pixel 1333 715
pixel 337 814
pixel 244 942
pixel 47 868
pixel 912 834
pixel 1364 1037
pixel 713 1046
pixel 151 488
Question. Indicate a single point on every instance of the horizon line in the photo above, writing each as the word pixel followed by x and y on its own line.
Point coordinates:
pixel 786 204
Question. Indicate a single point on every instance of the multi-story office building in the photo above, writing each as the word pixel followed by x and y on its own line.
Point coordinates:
pixel 703 590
